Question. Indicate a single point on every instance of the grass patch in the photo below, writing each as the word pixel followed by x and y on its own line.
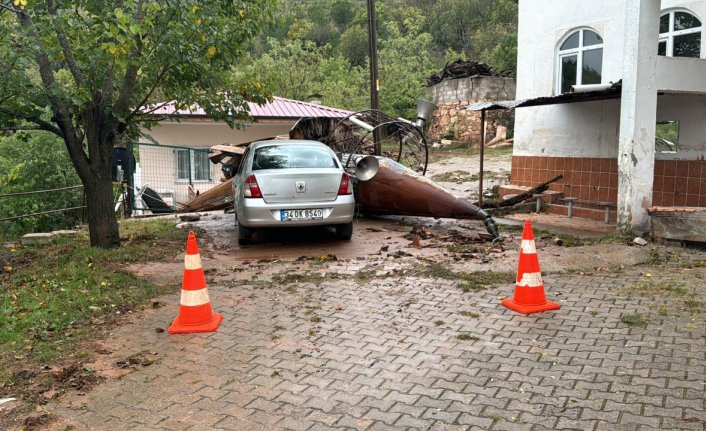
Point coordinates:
pixel 471 281
pixel 477 281
pixel 669 289
pixel 434 270
pixel 462 150
pixel 619 237
pixel 472 314
pixel 461 248
pixel 439 322
pixel 664 288
pixel 695 306
pixel 57 295
pixel 634 320
pixel 465 336
pixel 570 240
pixel 365 275
pixel 691 264
pixel 453 177
pixel 513 228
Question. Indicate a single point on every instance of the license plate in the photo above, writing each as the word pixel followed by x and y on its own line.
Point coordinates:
pixel 310 214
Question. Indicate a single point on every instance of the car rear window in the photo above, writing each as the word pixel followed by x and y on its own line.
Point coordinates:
pixel 292 156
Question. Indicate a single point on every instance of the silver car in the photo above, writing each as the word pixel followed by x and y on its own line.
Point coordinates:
pixel 282 183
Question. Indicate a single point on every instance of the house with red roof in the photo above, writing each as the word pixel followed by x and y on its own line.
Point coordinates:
pixel 172 158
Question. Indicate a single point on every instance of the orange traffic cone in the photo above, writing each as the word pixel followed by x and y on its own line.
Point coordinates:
pixel 195 313
pixel 529 289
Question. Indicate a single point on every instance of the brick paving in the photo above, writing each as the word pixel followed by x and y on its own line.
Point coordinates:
pixel 383 353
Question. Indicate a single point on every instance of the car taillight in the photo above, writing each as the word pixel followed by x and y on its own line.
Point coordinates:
pixel 251 189
pixel 345 188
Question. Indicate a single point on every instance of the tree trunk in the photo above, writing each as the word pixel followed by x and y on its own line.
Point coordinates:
pixel 102 222
pixel 94 169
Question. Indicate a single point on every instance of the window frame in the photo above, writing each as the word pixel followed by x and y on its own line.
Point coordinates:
pixel 669 36
pixel 578 52
pixel 192 167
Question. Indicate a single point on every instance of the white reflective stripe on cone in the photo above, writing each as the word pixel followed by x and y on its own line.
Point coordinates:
pixel 192 298
pixel 527 246
pixel 192 261
pixel 531 279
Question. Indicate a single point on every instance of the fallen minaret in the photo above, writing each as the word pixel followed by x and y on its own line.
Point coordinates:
pixel 389 188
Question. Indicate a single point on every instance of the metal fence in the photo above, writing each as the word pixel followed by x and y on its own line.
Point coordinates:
pixel 41 210
pixel 164 177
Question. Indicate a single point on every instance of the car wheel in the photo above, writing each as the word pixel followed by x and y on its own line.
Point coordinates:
pixel 244 234
pixel 344 231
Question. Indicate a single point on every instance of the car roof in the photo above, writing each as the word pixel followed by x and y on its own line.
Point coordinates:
pixel 287 142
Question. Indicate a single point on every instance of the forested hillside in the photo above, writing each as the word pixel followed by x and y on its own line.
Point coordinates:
pixel 318 49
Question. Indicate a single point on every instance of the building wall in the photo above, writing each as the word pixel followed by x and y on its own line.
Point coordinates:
pixel 590 129
pixel 157 165
pixel 594 179
pixel 208 133
pixel 580 141
pixel 480 88
pixel 452 121
pixel 542 27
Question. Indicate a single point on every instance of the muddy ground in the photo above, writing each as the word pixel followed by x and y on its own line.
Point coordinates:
pixel 385 246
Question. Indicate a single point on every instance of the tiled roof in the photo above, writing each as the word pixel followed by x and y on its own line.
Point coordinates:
pixel 279 108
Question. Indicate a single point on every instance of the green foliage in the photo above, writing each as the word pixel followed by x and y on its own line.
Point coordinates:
pixel 299 69
pixel 354 45
pixel 415 39
pixel 31 162
pixel 342 13
pixel 55 296
pixel 84 70
pixel 405 64
pixel 634 319
pixel 484 31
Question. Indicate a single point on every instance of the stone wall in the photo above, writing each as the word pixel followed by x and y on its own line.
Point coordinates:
pixel 453 121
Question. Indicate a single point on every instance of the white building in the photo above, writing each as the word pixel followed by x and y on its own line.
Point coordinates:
pixel 175 159
pixel 606 148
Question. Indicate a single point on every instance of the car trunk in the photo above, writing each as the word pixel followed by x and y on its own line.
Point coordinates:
pixel 304 186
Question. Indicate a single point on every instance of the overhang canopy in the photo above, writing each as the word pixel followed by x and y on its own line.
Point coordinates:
pixel 613 92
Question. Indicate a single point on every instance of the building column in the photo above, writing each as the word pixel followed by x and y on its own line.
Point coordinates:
pixel 638 115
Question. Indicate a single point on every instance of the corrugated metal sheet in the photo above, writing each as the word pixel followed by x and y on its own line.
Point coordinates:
pixel 279 108
pixel 611 93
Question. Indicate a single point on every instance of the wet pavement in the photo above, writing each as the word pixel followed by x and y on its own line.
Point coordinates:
pixel 388 338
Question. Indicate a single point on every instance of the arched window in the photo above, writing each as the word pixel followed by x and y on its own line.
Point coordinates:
pixel 580 60
pixel 679 35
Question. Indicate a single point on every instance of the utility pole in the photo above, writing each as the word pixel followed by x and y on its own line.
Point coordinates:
pixel 374 83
